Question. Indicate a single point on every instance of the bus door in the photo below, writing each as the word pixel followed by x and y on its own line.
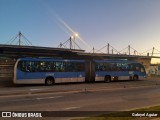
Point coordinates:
pixel 89 71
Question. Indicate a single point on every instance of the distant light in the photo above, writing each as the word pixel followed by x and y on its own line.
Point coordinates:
pixel 74 36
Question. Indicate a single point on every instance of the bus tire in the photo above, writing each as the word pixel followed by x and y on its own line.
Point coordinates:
pixel 135 77
pixel 107 79
pixel 130 78
pixel 49 81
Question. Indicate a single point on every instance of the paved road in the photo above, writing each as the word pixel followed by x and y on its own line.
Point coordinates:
pixel 104 100
pixel 34 89
pixel 100 100
pixel 114 96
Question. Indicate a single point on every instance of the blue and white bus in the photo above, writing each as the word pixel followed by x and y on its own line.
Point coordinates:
pixel 49 70
pixel 109 70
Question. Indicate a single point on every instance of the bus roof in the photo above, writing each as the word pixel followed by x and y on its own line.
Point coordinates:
pixel 126 61
pixel 72 60
pixel 49 59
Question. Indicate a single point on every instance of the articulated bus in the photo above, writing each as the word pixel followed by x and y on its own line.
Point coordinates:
pixel 49 71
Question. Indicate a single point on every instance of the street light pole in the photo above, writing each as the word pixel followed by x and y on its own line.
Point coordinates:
pixel 19 41
pixel 73 37
pixel 70 39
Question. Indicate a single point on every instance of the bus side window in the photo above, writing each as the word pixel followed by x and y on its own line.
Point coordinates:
pixel 100 67
pixel 107 67
pixel 130 67
pixel 60 67
pixel 22 66
pixel 52 66
pixel 30 66
pixel 68 67
pixel 142 69
pixel 97 67
pixel 41 66
pixel 37 66
pixel 27 67
pixel 114 67
pixel 124 67
pixel 33 66
pixel 138 67
pixel 80 67
pixel 49 66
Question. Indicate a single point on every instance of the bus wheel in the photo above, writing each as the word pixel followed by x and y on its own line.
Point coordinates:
pixel 107 79
pixel 130 78
pixel 135 77
pixel 49 81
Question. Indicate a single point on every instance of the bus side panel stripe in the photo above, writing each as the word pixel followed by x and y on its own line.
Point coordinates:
pixel 30 81
pixel 63 80
pixel 99 78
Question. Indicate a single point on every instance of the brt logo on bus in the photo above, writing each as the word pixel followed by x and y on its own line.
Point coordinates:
pixel 131 72
pixel 49 74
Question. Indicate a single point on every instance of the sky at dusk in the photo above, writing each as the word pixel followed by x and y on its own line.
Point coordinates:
pixel 98 22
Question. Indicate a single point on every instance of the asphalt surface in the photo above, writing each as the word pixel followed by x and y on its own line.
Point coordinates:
pixel 36 89
pixel 104 100
pixel 91 97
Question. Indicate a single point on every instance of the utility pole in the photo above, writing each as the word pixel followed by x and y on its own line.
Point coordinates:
pixel 70 42
pixel 108 48
pixel 129 49
pixel 152 51
pixel 19 35
pixel 60 45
